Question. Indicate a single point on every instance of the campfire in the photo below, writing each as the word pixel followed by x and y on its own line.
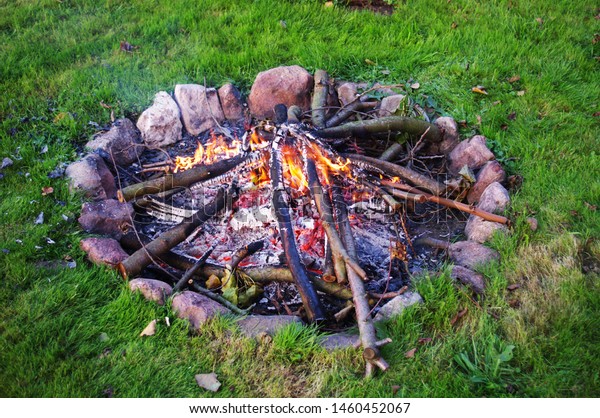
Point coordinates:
pixel 304 199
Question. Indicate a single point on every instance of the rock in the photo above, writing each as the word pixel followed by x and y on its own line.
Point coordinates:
pixel 231 102
pixel 480 230
pixel 471 254
pixel 287 85
pixel 196 308
pixel 494 198
pixel 122 141
pixel 449 140
pixel 338 341
pixel 390 104
pixel 160 124
pixel 200 107
pixel 491 172
pixel 151 289
pixel 471 152
pixel 397 305
pixel 91 175
pixel 469 278
pixel 103 251
pixel 253 326
pixel 106 217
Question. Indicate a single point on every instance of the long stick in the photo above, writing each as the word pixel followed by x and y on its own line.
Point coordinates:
pixel 311 302
pixel 342 221
pixel 191 271
pixel 350 109
pixel 180 179
pixel 136 262
pixel 319 99
pixel 417 179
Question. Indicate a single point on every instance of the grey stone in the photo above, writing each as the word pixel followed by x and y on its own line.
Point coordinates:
pixel 479 230
pixel 151 289
pixel 469 278
pixel 471 254
pixel 103 251
pixel 491 172
pixel 471 152
pixel 200 107
pixel 253 326
pixel 449 140
pixel 397 305
pixel 106 217
pixel 91 175
pixel 231 102
pixel 494 198
pixel 160 124
pixel 339 341
pixel 196 308
pixel 286 85
pixel 122 142
pixel 390 104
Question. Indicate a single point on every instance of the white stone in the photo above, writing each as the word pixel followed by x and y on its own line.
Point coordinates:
pixel 160 124
pixel 397 305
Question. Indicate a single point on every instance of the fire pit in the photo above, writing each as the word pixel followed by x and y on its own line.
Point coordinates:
pixel 302 212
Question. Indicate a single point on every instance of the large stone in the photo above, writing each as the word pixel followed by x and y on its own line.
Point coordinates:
pixel 471 254
pixel 91 175
pixel 121 142
pixel 397 305
pixel 106 217
pixel 494 199
pixel 491 172
pixel 286 85
pixel 196 308
pixel 160 124
pixel 200 107
pixel 151 289
pixel 339 341
pixel 469 278
pixel 231 102
pixel 103 251
pixel 480 230
pixel 471 152
pixel 254 326
pixel 390 104
pixel 449 140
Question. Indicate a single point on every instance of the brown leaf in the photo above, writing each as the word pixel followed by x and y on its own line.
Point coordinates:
pixel 514 303
pixel 539 20
pixel 478 119
pixel 454 25
pixel 127 47
pixel 208 381
pixel 410 353
pixel 150 329
pixel 504 126
pixel 513 287
pixel 425 340
pixel 479 89
pixel 514 79
pixel 596 114
pixel 47 190
pixel 596 38
pixel 459 315
pixel 521 93
pixel 590 206
pixel 104 105
pixel 213 282
pixel 415 86
pixel 574 213
pixel 395 389
pixel 462 123
pixel 512 116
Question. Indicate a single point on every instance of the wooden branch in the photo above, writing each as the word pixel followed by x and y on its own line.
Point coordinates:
pixel 390 169
pixel 136 262
pixel 180 179
pixel 319 99
pixel 392 152
pixel 192 270
pixel 220 299
pixel 311 302
pixel 357 106
pixel 246 251
pixel 341 220
pixel 369 127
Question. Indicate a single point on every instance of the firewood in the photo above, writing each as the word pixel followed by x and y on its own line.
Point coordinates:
pixel 357 106
pixel 319 99
pixel 341 220
pixel 190 272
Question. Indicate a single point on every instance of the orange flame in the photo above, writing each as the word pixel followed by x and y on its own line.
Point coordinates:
pixel 216 148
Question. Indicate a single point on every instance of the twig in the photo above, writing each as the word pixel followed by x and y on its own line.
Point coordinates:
pixel 190 272
pixel 219 299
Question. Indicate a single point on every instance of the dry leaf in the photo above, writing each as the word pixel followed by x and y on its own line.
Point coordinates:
pixel 479 89
pixel 539 20
pixel 497 102
pixel 513 287
pixel 512 116
pixel 459 315
pixel 104 105
pixel 590 206
pixel 596 114
pixel 369 62
pixel 415 86
pixel 150 329
pixel 40 219
pixel 478 119
pixel 213 282
pixel 521 93
pixel 504 126
pixel 395 389
pixel 44 149
pixel 127 47
pixel 425 340
pixel 454 25
pixel 410 353
pixel 47 190
pixel 328 4
pixel 514 79
pixel 208 381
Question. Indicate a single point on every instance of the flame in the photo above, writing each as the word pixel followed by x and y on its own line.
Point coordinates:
pixel 294 173
pixel 216 148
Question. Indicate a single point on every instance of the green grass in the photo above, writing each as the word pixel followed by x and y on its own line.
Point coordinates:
pixel 75 332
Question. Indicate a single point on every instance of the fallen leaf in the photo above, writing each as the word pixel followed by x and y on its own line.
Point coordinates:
pixel 459 315
pixel 104 105
pixel 40 219
pixel 514 303
pixel 463 123
pixel 369 62
pixel 213 282
pixel 596 38
pixel 513 287
pixel 395 389
pixel 596 114
pixel 512 116
pixel 425 340
pixel 149 330
pixel 385 72
pixel 127 47
pixel 44 149
pixel 6 162
pixel 590 206
pixel 453 25
pixel 497 102
pixel 328 4
pixel 208 381
pixel 539 20
pixel 478 119
pixel 410 353
pixel 112 115
pixel 574 213
pixel 479 90
pixel 47 190
pixel 514 79
pixel 521 93
pixel 415 86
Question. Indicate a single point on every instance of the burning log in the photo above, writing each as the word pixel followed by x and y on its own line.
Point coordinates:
pixel 180 179
pixel 281 207
pixel 136 262
pixel 319 99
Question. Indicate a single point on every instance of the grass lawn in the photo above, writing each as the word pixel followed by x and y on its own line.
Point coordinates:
pixel 74 332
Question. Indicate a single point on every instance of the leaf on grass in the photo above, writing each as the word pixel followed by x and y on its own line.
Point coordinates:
pixel 104 105
pixel 149 330
pixel 521 93
pixel 127 47
pixel 514 79
pixel 44 149
pixel 596 114
pixel 539 20
pixel 454 25
pixel 590 206
pixel 512 287
pixel 40 219
pixel 385 72
pixel 425 340
pixel 213 282
pixel 369 62
pixel 47 190
pixel 6 162
pixel 415 86
pixel 512 116
pixel 395 389
pixel 479 90
pixel 459 315
pixel 208 381
pixel 410 353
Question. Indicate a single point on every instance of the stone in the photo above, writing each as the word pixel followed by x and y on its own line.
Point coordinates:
pixel 200 107
pixel 449 140
pixel 471 152
pixel 91 175
pixel 491 172
pixel 103 251
pixel 494 199
pixel 196 308
pixel 339 341
pixel 397 305
pixel 231 102
pixel 122 142
pixel 287 85
pixel 390 104
pixel 471 254
pixel 106 217
pixel 160 124
pixel 151 289
pixel 254 326
pixel 480 230
pixel 469 278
